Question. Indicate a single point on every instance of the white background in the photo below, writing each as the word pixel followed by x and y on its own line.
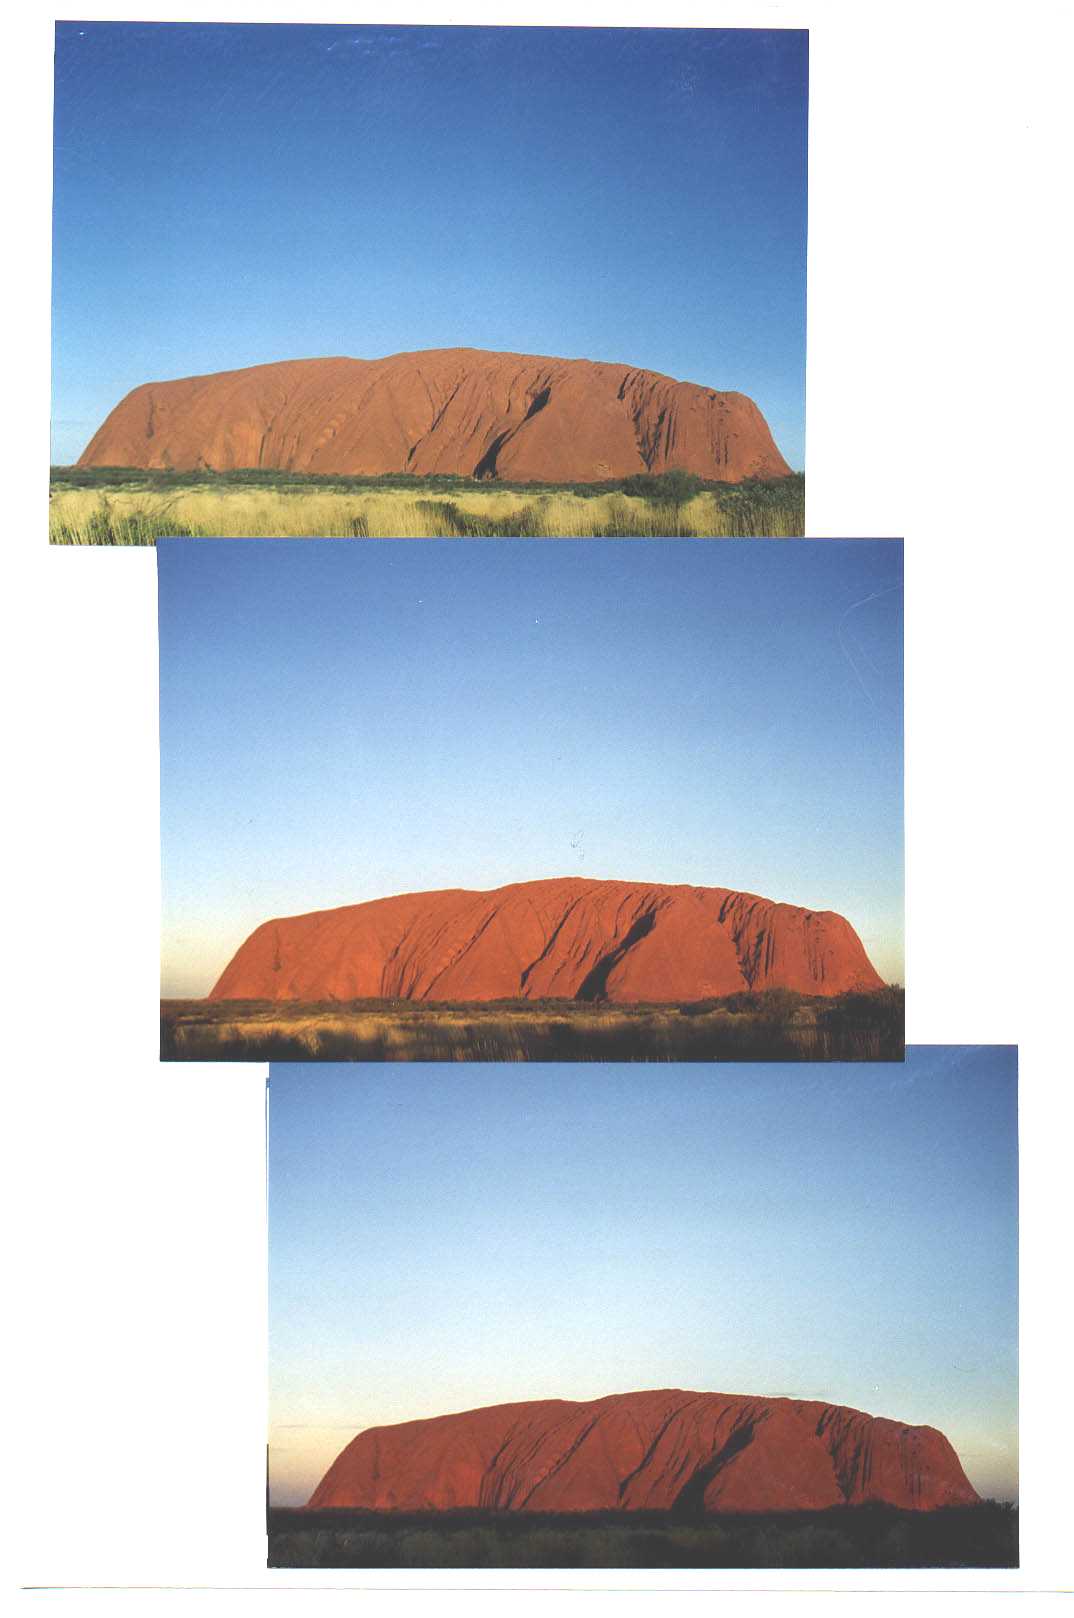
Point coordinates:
pixel 938 409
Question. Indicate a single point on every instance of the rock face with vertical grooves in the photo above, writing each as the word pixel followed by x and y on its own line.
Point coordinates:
pixel 666 1450
pixel 521 417
pixel 565 938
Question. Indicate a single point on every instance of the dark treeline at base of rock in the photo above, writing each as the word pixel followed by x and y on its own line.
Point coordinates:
pixel 983 1535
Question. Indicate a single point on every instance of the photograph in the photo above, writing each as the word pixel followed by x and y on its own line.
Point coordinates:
pixel 498 800
pixel 392 281
pixel 671 1318
pixel 529 1084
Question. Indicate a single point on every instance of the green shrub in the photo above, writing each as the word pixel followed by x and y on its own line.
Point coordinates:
pixel 672 488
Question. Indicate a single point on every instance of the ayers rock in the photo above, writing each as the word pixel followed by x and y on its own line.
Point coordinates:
pixel 446 410
pixel 659 1451
pixel 566 938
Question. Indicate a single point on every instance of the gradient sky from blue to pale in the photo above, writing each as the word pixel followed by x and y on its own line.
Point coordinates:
pixel 342 720
pixel 228 195
pixel 444 1237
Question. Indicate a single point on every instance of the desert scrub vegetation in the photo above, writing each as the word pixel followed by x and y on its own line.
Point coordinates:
pixel 112 519
pixel 984 1535
pixel 103 506
pixel 776 1025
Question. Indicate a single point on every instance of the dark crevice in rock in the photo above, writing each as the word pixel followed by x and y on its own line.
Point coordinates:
pixel 690 1501
pixel 595 985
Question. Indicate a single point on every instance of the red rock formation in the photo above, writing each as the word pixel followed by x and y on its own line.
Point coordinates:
pixel 566 938
pixel 706 1452
pixel 450 410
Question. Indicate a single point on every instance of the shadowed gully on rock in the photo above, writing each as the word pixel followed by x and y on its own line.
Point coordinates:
pixel 668 1450
pixel 566 938
pixel 458 411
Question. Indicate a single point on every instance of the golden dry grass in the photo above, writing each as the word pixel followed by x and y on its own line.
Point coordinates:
pixel 138 517
pixel 209 1031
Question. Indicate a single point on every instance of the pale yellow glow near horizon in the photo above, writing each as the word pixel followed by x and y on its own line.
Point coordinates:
pixel 299 1457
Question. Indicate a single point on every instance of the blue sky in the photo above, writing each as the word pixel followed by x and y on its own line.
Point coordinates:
pixel 342 720
pixel 227 195
pixel 445 1237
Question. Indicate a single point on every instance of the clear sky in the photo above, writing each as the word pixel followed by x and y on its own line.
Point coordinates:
pixel 342 720
pixel 227 195
pixel 445 1237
